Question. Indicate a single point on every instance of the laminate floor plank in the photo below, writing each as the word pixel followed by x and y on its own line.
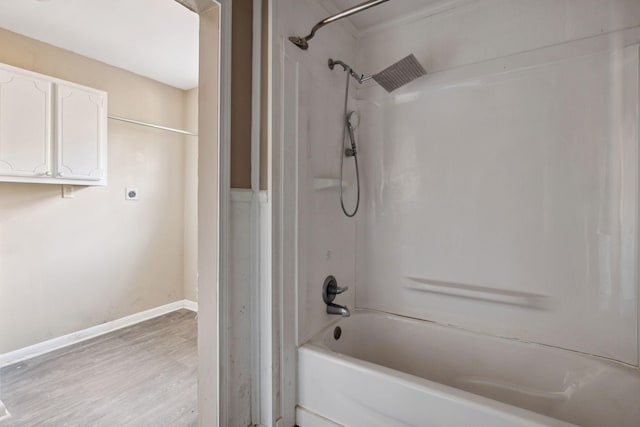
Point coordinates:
pixel 142 375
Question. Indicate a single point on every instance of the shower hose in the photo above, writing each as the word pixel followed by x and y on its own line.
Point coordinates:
pixel 348 129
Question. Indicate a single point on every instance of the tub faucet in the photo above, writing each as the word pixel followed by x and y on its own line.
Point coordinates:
pixel 329 291
pixel 338 309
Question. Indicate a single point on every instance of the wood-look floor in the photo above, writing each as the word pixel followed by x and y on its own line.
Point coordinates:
pixel 143 375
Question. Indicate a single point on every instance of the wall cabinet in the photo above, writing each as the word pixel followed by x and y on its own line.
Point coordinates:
pixel 51 131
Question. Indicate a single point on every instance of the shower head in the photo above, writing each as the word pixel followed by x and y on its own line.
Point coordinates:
pixel 303 42
pixel 399 74
pixel 391 78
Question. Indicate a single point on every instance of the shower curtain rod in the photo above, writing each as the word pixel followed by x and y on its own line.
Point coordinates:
pixel 151 125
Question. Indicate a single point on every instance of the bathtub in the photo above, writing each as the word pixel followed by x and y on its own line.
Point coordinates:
pixel 387 370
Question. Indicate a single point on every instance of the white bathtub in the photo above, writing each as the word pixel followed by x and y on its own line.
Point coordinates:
pixel 391 371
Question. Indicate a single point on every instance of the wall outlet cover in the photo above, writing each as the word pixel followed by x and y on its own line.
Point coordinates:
pixel 131 194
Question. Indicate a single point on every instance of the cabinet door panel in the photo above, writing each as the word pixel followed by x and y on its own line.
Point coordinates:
pixel 81 130
pixel 25 125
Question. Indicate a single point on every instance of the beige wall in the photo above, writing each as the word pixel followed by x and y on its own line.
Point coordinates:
pixel 264 96
pixel 241 92
pixel 190 120
pixel 69 264
pixel 241 62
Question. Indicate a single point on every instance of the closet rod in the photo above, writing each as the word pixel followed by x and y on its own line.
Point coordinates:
pixel 136 122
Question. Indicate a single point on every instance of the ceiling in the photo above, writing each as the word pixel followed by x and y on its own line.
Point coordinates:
pixel 154 38
pixel 384 12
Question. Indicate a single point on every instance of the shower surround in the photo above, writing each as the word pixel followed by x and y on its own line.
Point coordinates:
pixel 499 192
pixel 505 202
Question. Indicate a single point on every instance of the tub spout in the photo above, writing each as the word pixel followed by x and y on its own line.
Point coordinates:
pixel 338 309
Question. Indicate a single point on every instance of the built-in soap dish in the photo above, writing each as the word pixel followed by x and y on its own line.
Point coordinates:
pixel 328 183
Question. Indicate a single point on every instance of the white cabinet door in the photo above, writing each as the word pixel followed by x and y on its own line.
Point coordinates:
pixel 25 125
pixel 81 133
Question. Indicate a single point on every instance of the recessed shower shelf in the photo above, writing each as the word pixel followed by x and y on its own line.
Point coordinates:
pixel 328 183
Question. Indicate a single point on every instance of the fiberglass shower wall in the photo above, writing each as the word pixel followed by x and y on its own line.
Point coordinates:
pixel 501 190
pixel 313 109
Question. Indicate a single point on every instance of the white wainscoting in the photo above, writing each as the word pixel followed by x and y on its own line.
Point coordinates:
pixel 239 352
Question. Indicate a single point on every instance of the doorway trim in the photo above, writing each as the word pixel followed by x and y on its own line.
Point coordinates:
pixel 213 208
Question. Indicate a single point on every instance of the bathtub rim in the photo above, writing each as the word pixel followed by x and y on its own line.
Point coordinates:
pixel 317 337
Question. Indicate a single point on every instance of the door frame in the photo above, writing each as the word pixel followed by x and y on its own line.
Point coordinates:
pixel 214 101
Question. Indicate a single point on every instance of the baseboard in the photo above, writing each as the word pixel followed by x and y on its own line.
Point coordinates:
pixel 190 305
pixel 92 332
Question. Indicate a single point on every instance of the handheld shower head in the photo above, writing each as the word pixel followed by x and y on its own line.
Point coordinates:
pixel 353 119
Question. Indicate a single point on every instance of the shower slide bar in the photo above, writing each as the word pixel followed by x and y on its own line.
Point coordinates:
pixel 151 125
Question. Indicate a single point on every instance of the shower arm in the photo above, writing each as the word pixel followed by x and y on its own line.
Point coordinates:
pixel 302 42
pixel 360 78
